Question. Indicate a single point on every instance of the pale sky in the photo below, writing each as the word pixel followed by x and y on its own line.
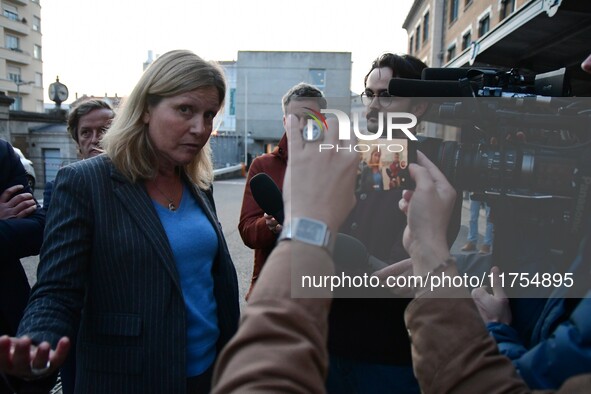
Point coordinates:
pixel 98 47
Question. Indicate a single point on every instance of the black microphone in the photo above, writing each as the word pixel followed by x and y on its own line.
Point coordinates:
pixel 351 255
pixel 267 195
pixel 403 87
pixel 444 74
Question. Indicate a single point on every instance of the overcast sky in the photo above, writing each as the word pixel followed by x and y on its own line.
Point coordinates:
pixel 98 47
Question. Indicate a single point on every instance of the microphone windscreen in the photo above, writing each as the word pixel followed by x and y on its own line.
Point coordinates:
pixel 267 195
pixel 350 254
pixel 375 264
pixel 402 87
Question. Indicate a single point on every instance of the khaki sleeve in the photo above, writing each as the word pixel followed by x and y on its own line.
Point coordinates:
pixel 451 349
pixel 280 346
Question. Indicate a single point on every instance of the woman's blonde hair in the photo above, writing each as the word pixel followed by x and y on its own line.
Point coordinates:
pixel 127 142
pixel 371 162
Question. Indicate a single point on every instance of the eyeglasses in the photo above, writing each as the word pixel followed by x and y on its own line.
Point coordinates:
pixel 384 98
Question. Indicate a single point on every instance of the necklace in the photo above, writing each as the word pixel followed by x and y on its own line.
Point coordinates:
pixel 171 206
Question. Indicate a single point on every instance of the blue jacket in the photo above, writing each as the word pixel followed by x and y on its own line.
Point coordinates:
pixel 560 344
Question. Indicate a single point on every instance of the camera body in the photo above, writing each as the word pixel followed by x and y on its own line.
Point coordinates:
pixel 525 148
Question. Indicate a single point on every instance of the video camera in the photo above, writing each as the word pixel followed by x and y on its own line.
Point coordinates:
pixel 522 139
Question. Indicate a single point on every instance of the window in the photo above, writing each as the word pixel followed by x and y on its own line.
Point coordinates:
pixel 484 25
pixel 453 10
pixel 466 39
pixel 10 12
pixel 13 73
pixel 232 111
pixel 426 27
pixel 411 44
pixel 37 52
pixel 418 40
pixel 51 163
pixel 451 52
pixel 507 7
pixel 12 42
pixel 38 79
pixel 318 77
pixel 17 105
pixel 36 23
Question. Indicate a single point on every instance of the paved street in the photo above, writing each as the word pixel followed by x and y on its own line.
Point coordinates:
pixel 228 197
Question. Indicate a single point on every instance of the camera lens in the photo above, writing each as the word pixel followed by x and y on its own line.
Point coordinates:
pixel 511 170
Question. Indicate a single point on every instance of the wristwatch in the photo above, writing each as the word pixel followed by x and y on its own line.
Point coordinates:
pixel 310 231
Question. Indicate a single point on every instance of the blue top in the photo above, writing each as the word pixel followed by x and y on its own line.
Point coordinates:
pixel 378 181
pixel 194 244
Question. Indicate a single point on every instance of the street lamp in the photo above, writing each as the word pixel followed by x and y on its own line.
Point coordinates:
pixel 18 83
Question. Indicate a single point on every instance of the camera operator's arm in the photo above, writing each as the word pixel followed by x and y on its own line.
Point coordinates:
pixel 495 311
pixel 452 351
pixel 281 343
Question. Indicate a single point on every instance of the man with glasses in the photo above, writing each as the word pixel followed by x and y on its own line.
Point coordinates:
pixel 368 342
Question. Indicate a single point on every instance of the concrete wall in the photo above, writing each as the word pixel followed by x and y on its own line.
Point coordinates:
pixel 264 77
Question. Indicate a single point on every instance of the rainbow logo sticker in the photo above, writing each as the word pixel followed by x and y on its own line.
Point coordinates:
pixel 317 117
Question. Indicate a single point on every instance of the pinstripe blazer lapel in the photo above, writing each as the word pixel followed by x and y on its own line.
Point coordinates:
pixel 137 202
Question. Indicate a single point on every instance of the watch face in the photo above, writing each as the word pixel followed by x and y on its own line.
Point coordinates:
pixel 312 231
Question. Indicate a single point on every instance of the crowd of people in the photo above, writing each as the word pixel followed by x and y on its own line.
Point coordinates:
pixel 136 290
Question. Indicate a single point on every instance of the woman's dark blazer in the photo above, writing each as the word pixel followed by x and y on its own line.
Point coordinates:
pixel 107 265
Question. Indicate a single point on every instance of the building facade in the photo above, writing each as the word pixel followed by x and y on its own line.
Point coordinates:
pixel 21 60
pixel 536 36
pixel 439 31
pixel 264 77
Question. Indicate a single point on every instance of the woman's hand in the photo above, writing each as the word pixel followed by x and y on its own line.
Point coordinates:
pixel 20 358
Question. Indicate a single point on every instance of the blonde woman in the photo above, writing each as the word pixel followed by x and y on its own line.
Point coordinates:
pixel 372 177
pixel 133 249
